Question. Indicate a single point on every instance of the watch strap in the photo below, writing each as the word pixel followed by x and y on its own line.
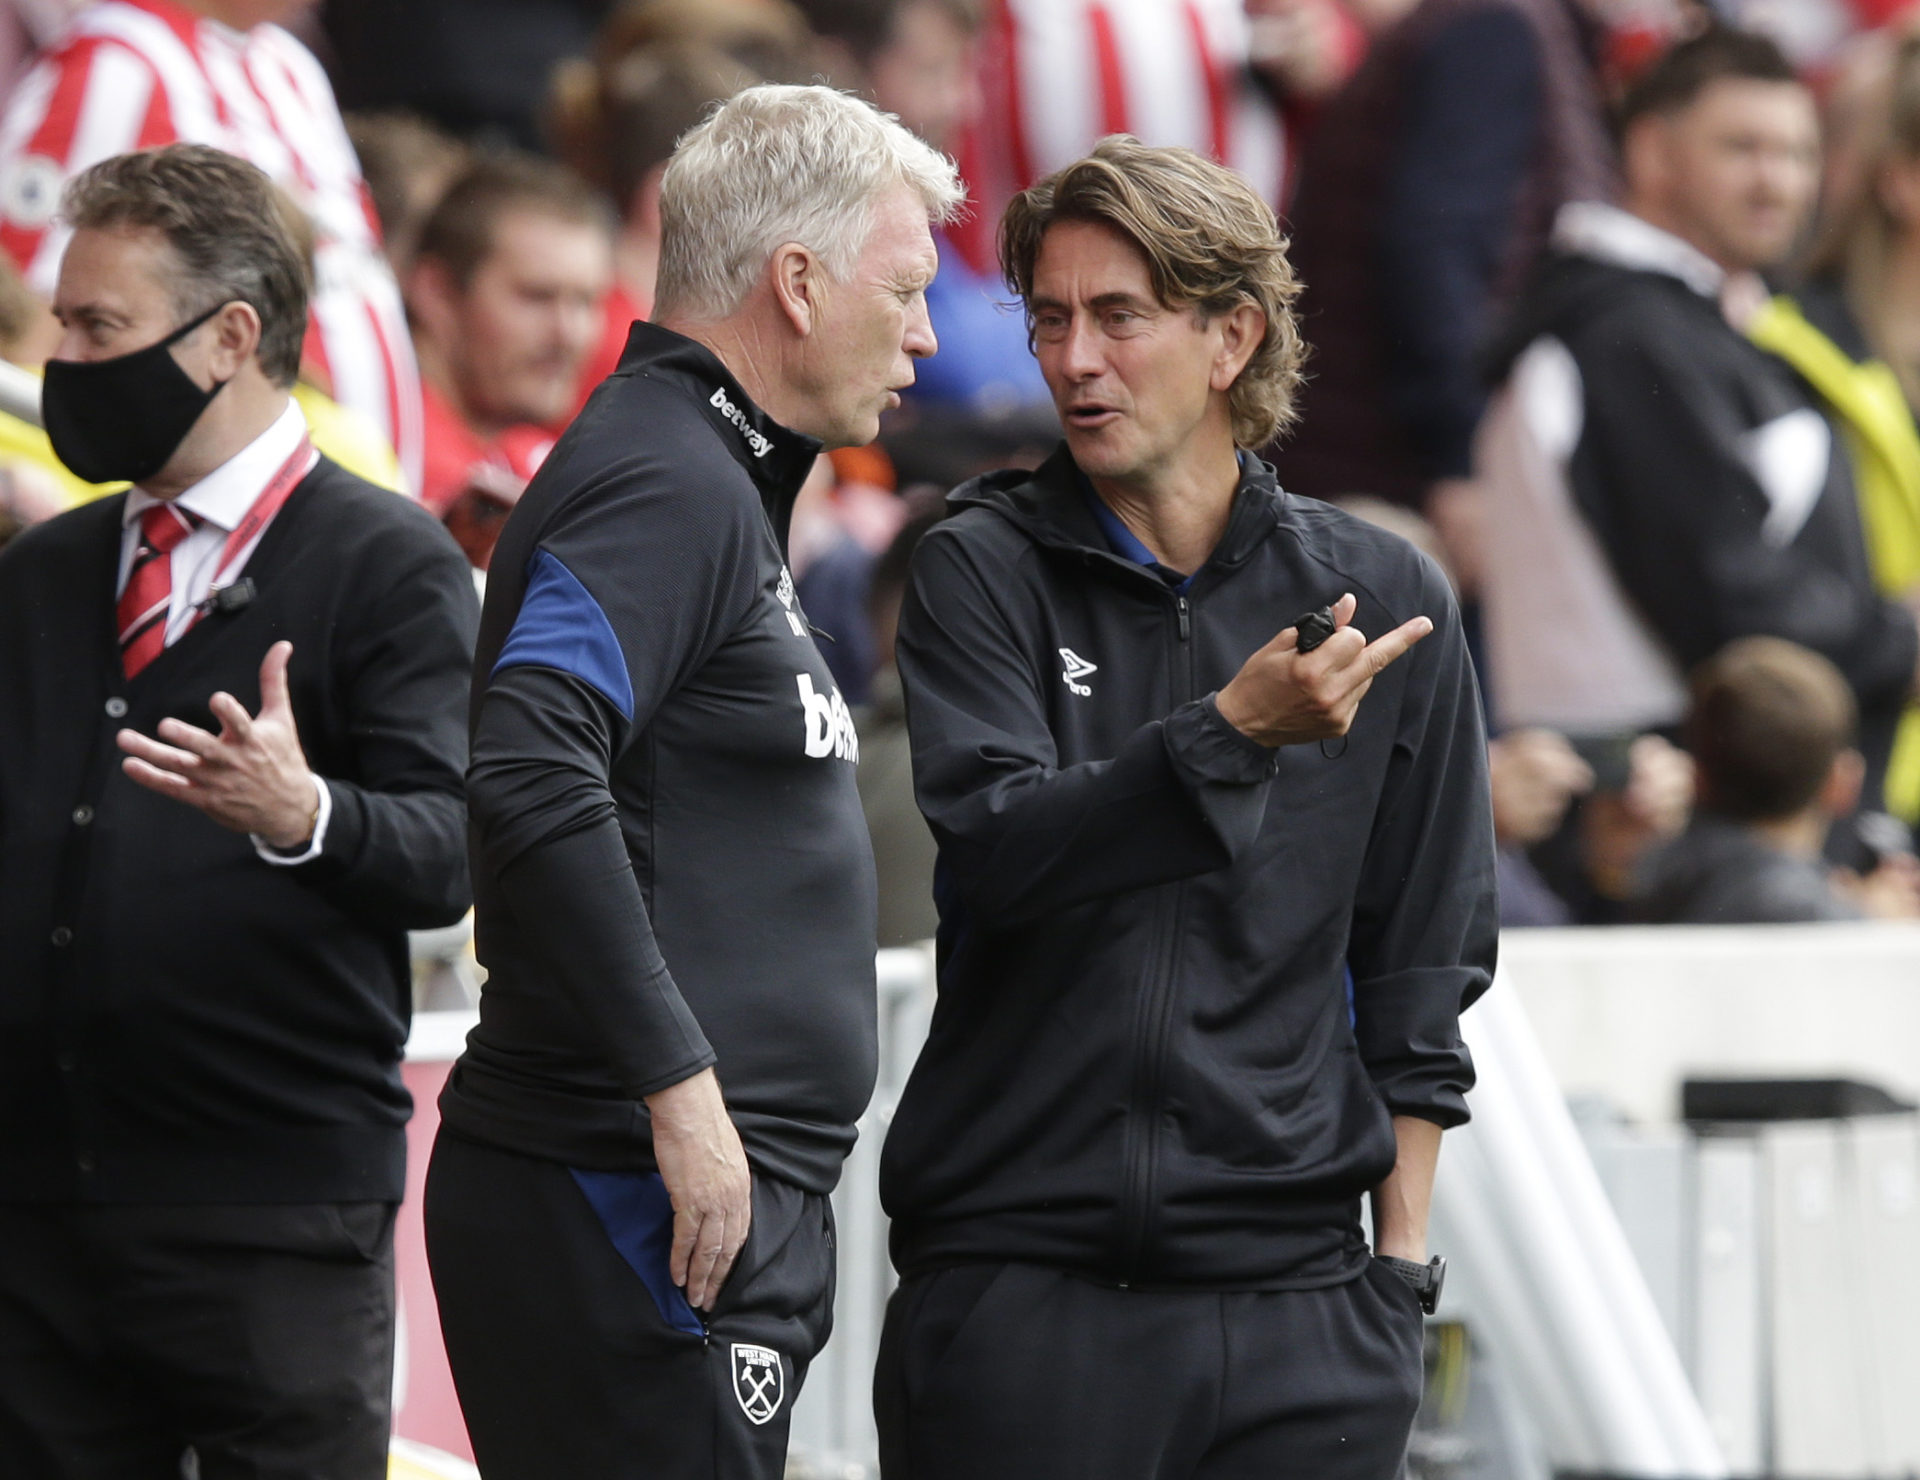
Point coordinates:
pixel 1425 1279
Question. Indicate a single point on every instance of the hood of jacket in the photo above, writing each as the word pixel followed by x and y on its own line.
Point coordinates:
pixel 1596 251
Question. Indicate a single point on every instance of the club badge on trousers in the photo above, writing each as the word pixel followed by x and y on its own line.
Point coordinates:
pixel 759 1381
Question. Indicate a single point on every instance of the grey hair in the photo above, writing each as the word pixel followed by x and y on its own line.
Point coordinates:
pixel 779 163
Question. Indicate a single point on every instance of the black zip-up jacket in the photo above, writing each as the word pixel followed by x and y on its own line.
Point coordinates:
pixel 1673 413
pixel 671 868
pixel 1146 1063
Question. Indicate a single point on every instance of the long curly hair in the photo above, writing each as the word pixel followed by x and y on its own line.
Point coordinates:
pixel 1211 244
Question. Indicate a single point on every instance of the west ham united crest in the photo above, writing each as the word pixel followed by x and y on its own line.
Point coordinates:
pixel 759 1381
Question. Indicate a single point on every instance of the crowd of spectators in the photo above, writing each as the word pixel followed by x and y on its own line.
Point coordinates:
pixel 1615 308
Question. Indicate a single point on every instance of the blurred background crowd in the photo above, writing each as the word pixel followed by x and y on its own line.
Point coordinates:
pixel 1614 307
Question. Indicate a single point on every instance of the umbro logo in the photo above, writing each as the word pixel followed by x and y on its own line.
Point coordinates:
pixel 1076 669
pixel 757 441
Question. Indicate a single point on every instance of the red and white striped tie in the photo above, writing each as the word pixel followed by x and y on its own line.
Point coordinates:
pixel 149 590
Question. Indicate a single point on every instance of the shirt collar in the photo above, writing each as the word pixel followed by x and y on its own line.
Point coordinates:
pixel 1121 540
pixel 777 458
pixel 1128 545
pixel 1593 229
pixel 223 497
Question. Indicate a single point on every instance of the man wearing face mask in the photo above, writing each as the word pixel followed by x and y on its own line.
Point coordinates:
pixel 230 762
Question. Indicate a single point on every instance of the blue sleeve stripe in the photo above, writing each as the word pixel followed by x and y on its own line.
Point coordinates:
pixel 561 626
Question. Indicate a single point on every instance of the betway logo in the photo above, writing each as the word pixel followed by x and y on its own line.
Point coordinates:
pixel 830 728
pixel 756 440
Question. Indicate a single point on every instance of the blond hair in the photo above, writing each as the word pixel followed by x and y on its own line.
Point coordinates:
pixel 778 164
pixel 1211 244
pixel 1873 121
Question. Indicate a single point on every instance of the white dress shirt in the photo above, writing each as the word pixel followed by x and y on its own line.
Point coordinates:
pixel 220 501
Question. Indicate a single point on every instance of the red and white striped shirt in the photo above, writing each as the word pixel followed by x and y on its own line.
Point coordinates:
pixel 134 74
pixel 1059 75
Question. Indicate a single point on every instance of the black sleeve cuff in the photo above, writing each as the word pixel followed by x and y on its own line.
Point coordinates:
pixel 1408 1029
pixel 1203 746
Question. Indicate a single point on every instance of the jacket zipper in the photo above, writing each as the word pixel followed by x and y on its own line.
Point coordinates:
pixel 1139 1211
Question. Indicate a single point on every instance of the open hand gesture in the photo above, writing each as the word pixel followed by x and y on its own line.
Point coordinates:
pixel 252 777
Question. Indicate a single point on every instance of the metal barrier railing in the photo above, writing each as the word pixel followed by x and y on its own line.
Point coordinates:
pixel 19 393
pixel 1548 1279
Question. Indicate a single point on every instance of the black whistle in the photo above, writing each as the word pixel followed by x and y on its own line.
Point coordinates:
pixel 1315 628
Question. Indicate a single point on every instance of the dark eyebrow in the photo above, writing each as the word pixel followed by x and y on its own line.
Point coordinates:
pixel 1102 302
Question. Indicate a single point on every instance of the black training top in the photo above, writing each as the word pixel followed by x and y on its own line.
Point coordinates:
pixel 670 865
pixel 1185 981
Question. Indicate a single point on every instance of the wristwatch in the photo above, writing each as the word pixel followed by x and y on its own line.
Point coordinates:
pixel 1426 1279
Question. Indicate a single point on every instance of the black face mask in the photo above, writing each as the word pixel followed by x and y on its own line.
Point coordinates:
pixel 120 420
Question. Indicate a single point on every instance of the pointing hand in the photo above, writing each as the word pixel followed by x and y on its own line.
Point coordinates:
pixel 1282 696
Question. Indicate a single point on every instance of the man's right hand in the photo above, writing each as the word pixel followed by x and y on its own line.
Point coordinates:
pixel 1282 696
pixel 700 1159
pixel 1535 775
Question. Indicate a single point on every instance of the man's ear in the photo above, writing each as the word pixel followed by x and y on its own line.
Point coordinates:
pixel 236 330
pixel 1898 187
pixel 795 276
pixel 1644 151
pixel 1840 792
pixel 1242 328
pixel 433 299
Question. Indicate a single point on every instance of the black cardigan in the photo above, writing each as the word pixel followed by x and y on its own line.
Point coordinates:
pixel 179 1020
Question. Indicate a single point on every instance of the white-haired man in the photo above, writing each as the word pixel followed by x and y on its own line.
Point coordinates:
pixel 671 869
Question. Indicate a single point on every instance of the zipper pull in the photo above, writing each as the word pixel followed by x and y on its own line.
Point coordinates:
pixel 1186 627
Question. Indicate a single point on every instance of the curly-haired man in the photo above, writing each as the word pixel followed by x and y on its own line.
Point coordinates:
pixel 1212 898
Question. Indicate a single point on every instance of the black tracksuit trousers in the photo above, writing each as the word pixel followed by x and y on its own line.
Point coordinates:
pixel 1011 1371
pixel 571 1361
pixel 258 1335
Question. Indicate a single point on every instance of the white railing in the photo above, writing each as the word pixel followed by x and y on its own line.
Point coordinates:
pixel 19 393
pixel 833 1419
pixel 1544 1275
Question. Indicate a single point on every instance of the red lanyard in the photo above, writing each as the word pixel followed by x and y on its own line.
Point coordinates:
pixel 238 546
